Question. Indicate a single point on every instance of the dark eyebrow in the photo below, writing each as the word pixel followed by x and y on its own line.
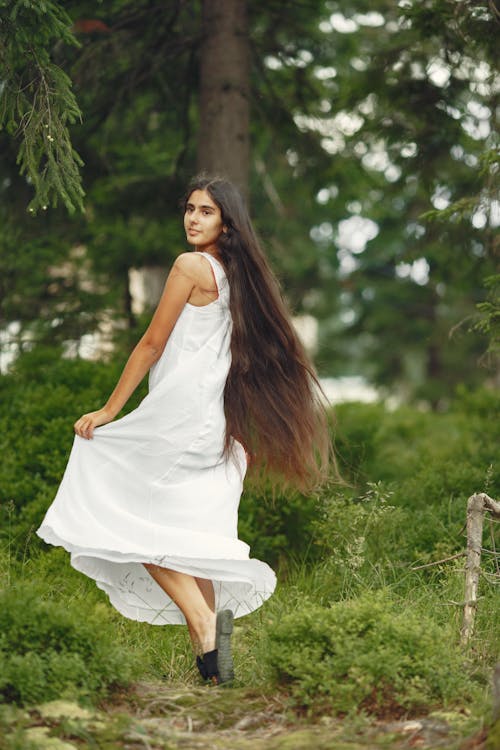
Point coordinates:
pixel 207 208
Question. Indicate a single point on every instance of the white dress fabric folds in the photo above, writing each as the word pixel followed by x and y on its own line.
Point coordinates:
pixel 155 487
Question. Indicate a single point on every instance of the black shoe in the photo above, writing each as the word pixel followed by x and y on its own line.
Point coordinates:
pixel 208 668
pixel 217 665
pixel 223 632
pixel 201 667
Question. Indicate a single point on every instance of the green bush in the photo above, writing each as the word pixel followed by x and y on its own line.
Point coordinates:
pixel 355 531
pixel 426 463
pixel 368 653
pixel 410 472
pixel 277 525
pixel 40 400
pixel 48 649
pixel 357 426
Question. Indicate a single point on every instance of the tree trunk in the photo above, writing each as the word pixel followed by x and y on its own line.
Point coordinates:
pixel 475 519
pixel 223 138
pixel 477 506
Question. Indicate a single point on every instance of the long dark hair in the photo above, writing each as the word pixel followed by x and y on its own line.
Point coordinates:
pixel 272 398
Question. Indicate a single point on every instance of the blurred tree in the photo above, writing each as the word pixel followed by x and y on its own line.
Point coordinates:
pixel 223 136
pixel 362 121
pixel 410 116
pixel 489 322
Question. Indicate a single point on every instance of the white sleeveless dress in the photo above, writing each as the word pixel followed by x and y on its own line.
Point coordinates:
pixel 154 486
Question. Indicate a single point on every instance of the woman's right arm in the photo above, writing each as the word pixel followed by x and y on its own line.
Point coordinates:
pixel 178 287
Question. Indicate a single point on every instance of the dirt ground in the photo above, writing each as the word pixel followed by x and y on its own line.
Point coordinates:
pixel 152 716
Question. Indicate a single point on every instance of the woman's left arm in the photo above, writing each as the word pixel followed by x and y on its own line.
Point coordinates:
pixel 178 288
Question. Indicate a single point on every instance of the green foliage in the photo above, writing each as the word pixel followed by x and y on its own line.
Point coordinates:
pixel 369 653
pixel 277 525
pixel 399 328
pixel 37 419
pixel 347 127
pixel 407 493
pixel 410 474
pixel 48 650
pixel 43 289
pixel 354 532
pixel 37 100
pixel 425 466
pixel 489 322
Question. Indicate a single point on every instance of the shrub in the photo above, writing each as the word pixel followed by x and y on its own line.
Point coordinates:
pixel 40 401
pixel 277 524
pixel 355 531
pixel 48 649
pixel 429 462
pixel 374 653
pixel 356 437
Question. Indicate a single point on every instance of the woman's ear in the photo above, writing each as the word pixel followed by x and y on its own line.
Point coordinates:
pixel 224 229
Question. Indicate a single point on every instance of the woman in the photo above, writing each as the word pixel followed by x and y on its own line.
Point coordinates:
pixel 148 503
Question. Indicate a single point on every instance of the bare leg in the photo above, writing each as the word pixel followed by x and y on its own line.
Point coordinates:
pixel 186 592
pixel 207 589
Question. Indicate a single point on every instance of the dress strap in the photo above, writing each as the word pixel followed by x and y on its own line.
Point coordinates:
pixel 219 272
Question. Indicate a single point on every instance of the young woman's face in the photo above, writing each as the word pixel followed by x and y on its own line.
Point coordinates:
pixel 202 220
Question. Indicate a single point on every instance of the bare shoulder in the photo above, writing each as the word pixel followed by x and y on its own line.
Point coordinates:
pixel 194 265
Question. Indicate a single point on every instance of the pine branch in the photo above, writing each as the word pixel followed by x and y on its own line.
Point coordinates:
pixel 37 103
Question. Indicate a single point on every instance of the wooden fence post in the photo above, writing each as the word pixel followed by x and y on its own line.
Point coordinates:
pixel 496 693
pixel 477 505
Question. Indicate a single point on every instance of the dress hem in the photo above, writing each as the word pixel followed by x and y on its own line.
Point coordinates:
pixel 234 589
